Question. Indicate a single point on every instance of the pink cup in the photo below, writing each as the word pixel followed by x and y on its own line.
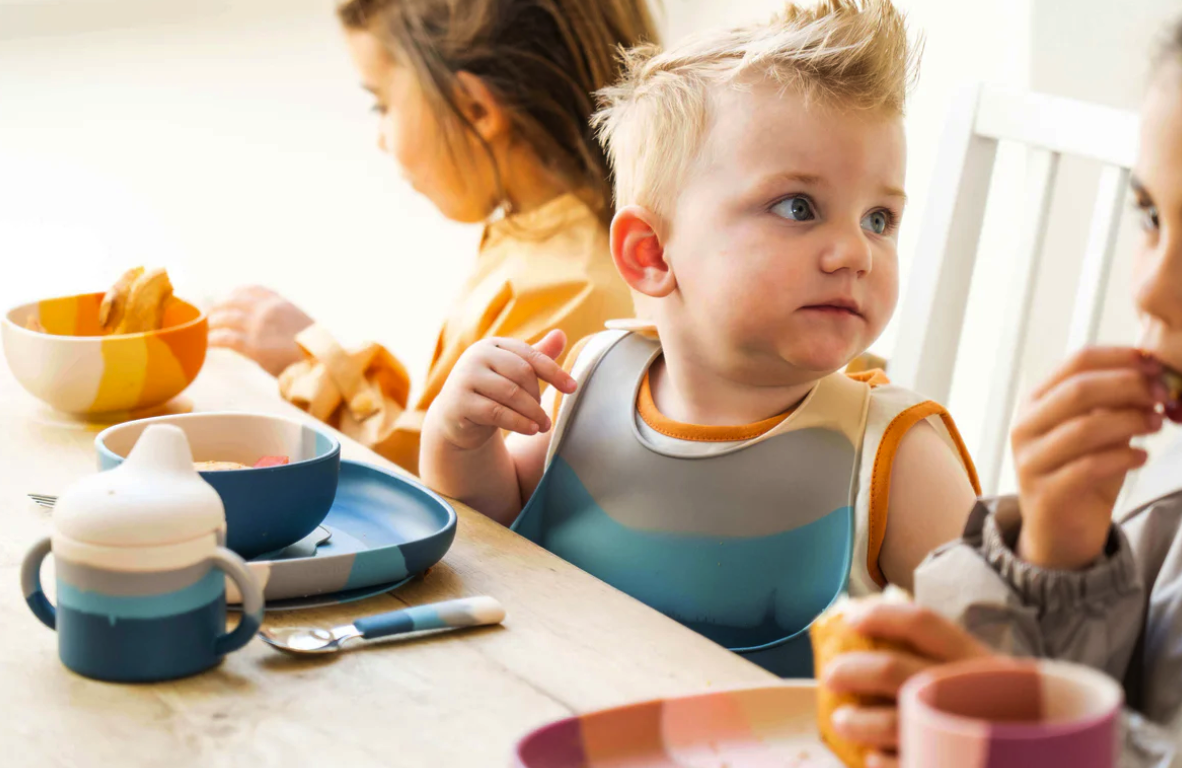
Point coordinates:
pixel 1006 713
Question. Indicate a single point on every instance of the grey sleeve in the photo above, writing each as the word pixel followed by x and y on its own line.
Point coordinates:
pixel 1144 744
pixel 1091 617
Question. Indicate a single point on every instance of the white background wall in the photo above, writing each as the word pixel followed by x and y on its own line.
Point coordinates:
pixel 228 141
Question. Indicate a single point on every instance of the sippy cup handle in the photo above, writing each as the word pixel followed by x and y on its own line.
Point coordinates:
pixel 224 559
pixel 31 583
pixel 252 601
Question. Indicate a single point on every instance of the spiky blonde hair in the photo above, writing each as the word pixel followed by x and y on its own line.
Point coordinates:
pixel 853 54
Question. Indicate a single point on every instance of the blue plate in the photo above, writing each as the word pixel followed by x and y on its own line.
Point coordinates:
pixel 385 529
pixel 334 598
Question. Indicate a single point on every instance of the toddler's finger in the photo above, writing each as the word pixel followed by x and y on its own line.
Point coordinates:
pixel 872 673
pixel 881 760
pixel 924 630
pixel 228 317
pixel 513 367
pixel 511 395
pixel 1098 359
pixel 228 339
pixel 873 726
pixel 552 344
pixel 489 413
pixel 1085 392
pixel 1094 433
pixel 545 368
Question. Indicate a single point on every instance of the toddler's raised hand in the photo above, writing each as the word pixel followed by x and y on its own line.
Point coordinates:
pixel 260 324
pixel 494 386
pixel 1072 452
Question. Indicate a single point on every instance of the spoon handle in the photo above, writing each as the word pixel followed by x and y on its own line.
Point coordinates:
pixel 452 614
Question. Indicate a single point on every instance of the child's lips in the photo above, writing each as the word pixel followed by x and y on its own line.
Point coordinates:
pixel 836 310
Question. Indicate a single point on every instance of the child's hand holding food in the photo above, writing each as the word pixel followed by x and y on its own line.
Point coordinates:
pixel 260 324
pixel 864 651
pixel 494 386
pixel 1072 451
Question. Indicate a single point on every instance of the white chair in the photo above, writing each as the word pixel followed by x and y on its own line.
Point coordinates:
pixel 931 314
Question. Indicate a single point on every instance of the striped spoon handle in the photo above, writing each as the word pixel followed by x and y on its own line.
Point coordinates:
pixel 452 614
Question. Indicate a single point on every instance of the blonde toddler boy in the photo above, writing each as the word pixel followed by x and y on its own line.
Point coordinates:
pixel 716 464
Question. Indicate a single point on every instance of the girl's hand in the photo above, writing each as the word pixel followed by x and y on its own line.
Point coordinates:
pixel 1072 452
pixel 260 324
pixel 494 386
pixel 931 640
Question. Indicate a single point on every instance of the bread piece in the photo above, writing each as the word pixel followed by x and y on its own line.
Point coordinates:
pixel 831 637
pixel 217 466
pixel 115 301
pixel 1173 381
pixel 145 303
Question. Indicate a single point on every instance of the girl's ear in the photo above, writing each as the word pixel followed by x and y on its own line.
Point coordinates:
pixel 481 108
pixel 639 254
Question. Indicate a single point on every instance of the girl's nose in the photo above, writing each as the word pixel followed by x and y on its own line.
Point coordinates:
pixel 1159 293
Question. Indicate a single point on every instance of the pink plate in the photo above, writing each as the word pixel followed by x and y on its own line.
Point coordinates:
pixel 768 727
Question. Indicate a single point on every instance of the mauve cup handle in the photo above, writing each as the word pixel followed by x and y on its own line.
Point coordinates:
pixel 252 601
pixel 31 583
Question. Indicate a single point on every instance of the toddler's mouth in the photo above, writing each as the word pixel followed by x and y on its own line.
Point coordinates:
pixel 837 307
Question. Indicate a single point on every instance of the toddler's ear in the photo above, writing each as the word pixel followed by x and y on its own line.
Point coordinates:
pixel 639 254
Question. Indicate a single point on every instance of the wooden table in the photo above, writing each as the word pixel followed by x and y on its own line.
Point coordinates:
pixel 570 644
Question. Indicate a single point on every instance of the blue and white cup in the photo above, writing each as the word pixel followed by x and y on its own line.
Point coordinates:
pixel 141 570
pixel 141 626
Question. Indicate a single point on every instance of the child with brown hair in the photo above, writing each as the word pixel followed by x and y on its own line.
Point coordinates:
pixel 1048 573
pixel 718 464
pixel 486 106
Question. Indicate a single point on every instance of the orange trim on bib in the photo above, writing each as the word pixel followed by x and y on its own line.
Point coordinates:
pixel 702 433
pixel 875 377
pixel 884 460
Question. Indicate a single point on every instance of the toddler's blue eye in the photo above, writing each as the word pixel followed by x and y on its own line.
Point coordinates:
pixel 795 209
pixel 876 221
pixel 1149 219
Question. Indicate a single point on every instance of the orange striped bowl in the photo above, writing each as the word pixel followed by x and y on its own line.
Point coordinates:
pixel 76 370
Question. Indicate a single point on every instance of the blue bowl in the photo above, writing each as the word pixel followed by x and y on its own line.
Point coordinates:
pixel 267 508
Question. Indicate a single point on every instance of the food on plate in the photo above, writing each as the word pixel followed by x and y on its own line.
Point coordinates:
pixel 32 323
pixel 222 466
pixel 217 466
pixel 271 461
pixel 831 637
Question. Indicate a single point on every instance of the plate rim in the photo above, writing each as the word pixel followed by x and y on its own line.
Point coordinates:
pixel 784 683
pixel 446 531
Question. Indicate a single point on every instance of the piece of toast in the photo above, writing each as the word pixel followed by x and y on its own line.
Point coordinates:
pixel 831 637
pixel 144 310
pixel 115 301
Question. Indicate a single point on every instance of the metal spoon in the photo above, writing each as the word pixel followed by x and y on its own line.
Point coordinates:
pixel 452 614
pixel 305 547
